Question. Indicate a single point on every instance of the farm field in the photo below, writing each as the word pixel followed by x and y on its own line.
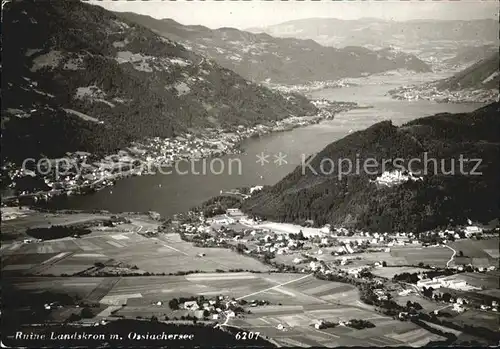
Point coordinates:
pixel 120 244
pixel 437 256
pixel 299 332
pixel 480 253
pixel 15 229
pixel 303 299
pixel 487 280
pixel 426 304
pixel 389 272
pixel 479 318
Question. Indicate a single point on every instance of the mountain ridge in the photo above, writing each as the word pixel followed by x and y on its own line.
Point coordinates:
pixel 427 39
pixel 261 57
pixel 104 81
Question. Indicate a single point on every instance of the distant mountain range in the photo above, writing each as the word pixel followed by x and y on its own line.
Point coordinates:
pixel 77 77
pixel 261 57
pixel 361 200
pixel 382 33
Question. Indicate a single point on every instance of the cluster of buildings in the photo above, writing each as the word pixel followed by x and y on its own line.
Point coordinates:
pixel 429 92
pixel 214 308
pixel 450 281
pixel 309 87
pixel 79 171
pixel 396 177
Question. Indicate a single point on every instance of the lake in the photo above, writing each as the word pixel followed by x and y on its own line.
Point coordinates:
pixel 193 183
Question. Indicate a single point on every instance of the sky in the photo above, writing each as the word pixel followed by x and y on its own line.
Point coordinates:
pixel 257 13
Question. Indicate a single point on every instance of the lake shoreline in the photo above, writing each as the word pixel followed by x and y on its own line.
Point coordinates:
pixel 326 111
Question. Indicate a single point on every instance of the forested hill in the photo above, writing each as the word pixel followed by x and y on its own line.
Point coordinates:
pixel 472 54
pixel 76 77
pixel 437 200
pixel 260 57
pixel 481 75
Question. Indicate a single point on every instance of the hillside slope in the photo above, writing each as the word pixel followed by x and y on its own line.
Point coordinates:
pixel 438 199
pixel 477 83
pixel 481 75
pixel 261 57
pixel 77 77
pixel 472 54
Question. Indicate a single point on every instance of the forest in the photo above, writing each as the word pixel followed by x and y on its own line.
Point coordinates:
pixel 439 200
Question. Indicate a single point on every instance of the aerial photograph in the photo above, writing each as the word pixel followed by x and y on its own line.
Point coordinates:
pixel 250 174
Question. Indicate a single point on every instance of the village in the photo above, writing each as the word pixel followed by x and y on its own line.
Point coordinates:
pixel 81 172
pixel 357 257
pixel 310 86
pixel 430 92
pixel 226 269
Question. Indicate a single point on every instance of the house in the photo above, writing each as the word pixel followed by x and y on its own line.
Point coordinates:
pixel 313 265
pixel 405 292
pixel 325 229
pixel 458 308
pixel 215 316
pixel 233 211
pixel 297 260
pixel 319 325
pixel 380 294
pixel 428 283
pixel 472 229
pixel 191 305
pixel 280 327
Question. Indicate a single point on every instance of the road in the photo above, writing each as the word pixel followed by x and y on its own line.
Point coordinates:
pixel 273 287
pixel 452 256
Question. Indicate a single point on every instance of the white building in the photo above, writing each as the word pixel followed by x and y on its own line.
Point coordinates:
pixel 428 283
pixel 314 266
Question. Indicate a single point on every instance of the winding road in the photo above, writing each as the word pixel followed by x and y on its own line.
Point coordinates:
pixel 452 256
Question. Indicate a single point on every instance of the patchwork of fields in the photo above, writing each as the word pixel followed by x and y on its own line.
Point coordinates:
pixel 166 253
pixel 480 253
pixel 296 302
